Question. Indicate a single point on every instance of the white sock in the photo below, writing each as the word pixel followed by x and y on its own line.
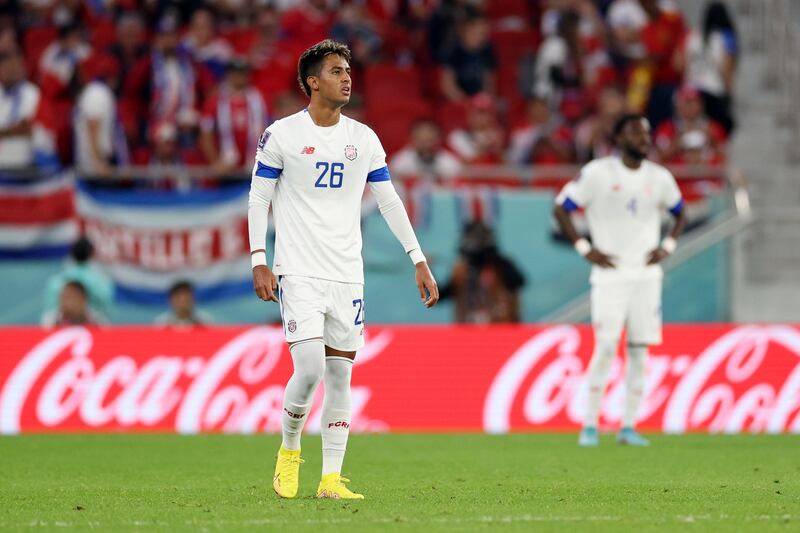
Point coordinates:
pixel 602 358
pixel 309 365
pixel 335 422
pixel 634 384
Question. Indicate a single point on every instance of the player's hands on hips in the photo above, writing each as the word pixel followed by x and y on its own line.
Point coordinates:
pixel 265 283
pixel 656 256
pixel 425 282
pixel 599 258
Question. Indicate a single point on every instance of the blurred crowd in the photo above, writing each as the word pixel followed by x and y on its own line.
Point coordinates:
pixel 167 84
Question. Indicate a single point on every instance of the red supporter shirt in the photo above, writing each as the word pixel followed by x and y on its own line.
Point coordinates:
pixel 662 37
pixel 239 123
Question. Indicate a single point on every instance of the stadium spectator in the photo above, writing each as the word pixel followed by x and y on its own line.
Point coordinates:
pixel 183 312
pixel 483 140
pixel 233 120
pixel 81 269
pixel 711 62
pixel 444 23
pixel 19 102
pixel 626 18
pixel 99 139
pixel 593 136
pixel 169 160
pixel 306 23
pixel 274 67
pixel 689 117
pixel 558 62
pixel 129 46
pixel 469 69
pixel 659 74
pixel 58 66
pixel 166 85
pixel 204 45
pixel 287 103
pixel 424 157
pixel 543 138
pixel 484 284
pixel 73 308
pixel 354 27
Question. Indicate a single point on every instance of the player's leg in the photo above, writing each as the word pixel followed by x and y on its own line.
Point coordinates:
pixel 303 323
pixel 644 329
pixel 343 336
pixel 608 302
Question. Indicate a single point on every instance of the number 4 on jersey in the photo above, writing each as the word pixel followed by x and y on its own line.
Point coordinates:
pixel 334 177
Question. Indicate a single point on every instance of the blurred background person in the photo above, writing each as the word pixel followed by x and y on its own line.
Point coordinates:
pixel 484 284
pixel 19 102
pixel 424 157
pixel 593 135
pixel 168 160
pixel 689 117
pixel 203 43
pixel 711 56
pixel 470 66
pixel 483 139
pixel 73 308
pixel 542 138
pixel 183 312
pixel 98 288
pixel 233 119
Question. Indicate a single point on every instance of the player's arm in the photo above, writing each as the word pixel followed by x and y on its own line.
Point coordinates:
pixel 576 194
pixel 266 171
pixel 674 202
pixel 396 217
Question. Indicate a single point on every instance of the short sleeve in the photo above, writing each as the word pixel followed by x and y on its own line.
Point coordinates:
pixel 670 194
pixel 95 103
pixel 378 171
pixel 269 156
pixel 578 192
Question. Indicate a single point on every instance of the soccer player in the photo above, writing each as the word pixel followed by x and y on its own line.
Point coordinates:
pixel 623 197
pixel 312 167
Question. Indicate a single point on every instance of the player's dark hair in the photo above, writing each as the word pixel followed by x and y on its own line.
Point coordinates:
pixel 622 121
pixel 179 286
pixel 82 250
pixel 310 62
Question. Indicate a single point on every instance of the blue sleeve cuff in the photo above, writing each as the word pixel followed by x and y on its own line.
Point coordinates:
pixel 379 174
pixel 263 171
pixel 569 205
pixel 677 208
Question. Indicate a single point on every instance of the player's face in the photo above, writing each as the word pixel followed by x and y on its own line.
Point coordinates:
pixel 334 82
pixel 635 138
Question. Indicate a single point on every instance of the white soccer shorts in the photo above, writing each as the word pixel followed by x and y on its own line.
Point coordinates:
pixel 332 310
pixel 633 304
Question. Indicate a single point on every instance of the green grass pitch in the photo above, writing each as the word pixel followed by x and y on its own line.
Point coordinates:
pixel 455 482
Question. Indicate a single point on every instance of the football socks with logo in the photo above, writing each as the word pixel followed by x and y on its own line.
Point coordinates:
pixel 309 367
pixel 336 409
pixel 634 383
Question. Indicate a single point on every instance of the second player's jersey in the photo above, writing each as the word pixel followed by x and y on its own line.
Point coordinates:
pixel 623 208
pixel 321 173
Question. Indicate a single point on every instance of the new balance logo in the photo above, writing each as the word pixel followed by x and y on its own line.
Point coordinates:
pixel 308 150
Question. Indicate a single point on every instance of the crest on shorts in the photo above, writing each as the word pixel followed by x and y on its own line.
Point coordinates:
pixel 291 326
pixel 350 152
pixel 263 140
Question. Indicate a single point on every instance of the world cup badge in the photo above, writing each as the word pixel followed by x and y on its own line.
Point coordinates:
pixel 292 326
pixel 350 152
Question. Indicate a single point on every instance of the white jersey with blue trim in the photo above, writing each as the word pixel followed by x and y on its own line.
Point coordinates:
pixel 321 173
pixel 623 208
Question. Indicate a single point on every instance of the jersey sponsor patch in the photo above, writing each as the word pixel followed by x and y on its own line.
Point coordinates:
pixel 262 141
pixel 350 152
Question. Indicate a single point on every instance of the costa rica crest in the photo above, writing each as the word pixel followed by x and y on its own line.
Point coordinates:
pixel 350 152
pixel 291 326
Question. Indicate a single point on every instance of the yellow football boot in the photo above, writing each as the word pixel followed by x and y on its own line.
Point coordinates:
pixel 287 473
pixel 332 486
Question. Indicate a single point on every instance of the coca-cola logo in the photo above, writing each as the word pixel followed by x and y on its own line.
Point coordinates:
pixel 728 387
pixel 233 390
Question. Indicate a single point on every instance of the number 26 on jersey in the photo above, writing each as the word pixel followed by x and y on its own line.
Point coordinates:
pixel 331 175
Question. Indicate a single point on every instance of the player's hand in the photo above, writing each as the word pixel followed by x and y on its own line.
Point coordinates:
pixel 600 259
pixel 425 282
pixel 656 256
pixel 265 283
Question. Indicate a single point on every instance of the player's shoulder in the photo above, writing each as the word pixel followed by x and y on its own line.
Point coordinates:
pixel 356 127
pixel 598 167
pixel 657 169
pixel 282 124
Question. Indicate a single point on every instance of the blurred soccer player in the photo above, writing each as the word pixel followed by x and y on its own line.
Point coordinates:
pixel 315 164
pixel 623 196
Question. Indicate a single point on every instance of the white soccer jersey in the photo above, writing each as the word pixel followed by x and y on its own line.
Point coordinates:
pixel 321 173
pixel 623 210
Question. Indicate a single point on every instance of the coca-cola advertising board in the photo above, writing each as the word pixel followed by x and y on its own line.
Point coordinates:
pixel 716 378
